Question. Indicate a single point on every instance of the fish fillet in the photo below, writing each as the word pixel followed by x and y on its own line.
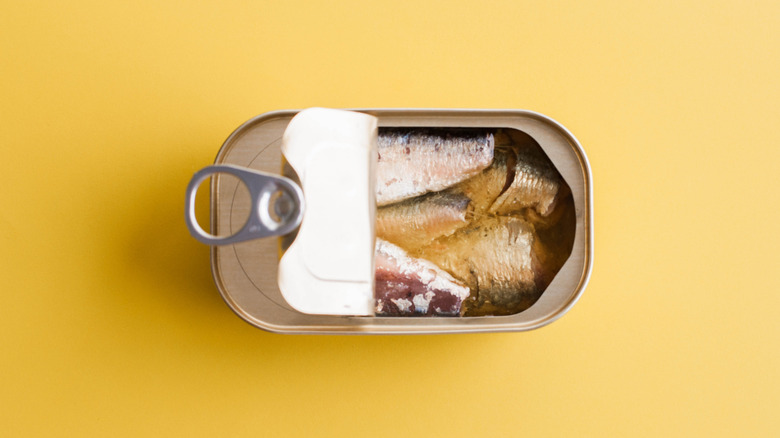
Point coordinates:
pixel 535 183
pixel 494 256
pixel 407 286
pixel 416 222
pixel 417 161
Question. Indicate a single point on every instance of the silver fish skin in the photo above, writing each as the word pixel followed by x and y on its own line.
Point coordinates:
pixel 417 161
pixel 484 188
pixel 535 184
pixel 408 286
pixel 416 222
pixel 494 256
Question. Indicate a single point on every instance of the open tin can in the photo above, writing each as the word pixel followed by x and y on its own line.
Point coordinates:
pixel 246 272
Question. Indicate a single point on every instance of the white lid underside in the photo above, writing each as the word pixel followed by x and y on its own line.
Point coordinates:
pixel 329 268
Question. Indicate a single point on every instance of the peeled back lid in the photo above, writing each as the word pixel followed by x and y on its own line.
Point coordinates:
pixel 329 268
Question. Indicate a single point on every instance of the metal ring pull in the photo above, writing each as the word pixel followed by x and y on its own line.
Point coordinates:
pixel 262 186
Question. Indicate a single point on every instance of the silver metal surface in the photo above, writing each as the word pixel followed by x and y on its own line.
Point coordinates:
pixel 261 223
pixel 246 273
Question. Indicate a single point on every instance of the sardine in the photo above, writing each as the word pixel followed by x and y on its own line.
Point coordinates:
pixel 416 222
pixel 495 257
pixel 554 233
pixel 417 161
pixel 535 183
pixel 407 286
pixel 484 188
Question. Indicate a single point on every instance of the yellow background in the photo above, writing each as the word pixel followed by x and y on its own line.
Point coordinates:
pixel 111 325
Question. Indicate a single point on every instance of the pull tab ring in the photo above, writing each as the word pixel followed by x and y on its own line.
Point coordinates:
pixel 262 186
